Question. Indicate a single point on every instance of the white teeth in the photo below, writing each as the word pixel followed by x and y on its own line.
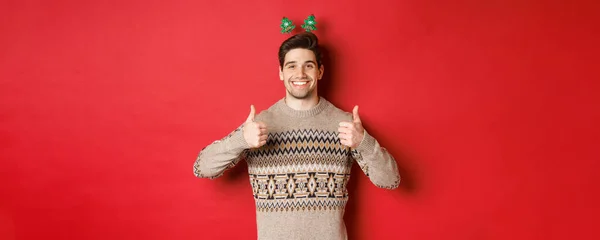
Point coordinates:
pixel 299 83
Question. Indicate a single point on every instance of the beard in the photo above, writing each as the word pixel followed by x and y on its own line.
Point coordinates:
pixel 300 93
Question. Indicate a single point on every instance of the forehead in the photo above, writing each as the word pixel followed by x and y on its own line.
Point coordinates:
pixel 300 55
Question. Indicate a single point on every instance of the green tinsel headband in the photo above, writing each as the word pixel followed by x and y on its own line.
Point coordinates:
pixel 309 24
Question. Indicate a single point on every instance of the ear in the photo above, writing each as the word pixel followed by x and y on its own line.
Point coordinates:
pixel 280 74
pixel 321 70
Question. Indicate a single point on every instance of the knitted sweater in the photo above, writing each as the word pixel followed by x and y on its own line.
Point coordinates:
pixel 299 176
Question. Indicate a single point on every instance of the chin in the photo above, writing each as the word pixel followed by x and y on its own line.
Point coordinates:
pixel 300 95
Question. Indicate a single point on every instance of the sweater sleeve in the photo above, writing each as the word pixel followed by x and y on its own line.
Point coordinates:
pixel 214 159
pixel 377 163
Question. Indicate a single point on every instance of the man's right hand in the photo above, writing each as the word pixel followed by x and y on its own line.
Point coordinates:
pixel 255 133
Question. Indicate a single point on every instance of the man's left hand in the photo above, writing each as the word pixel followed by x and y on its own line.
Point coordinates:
pixel 352 133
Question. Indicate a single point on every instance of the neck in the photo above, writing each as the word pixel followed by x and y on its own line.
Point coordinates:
pixel 302 104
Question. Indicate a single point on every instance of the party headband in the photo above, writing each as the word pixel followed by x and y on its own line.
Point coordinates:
pixel 309 24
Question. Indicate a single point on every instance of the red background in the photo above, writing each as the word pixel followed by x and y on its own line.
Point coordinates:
pixel 490 108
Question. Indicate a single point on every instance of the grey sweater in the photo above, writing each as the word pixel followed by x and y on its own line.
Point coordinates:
pixel 299 176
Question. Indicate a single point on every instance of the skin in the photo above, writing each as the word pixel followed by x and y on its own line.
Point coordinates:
pixel 300 66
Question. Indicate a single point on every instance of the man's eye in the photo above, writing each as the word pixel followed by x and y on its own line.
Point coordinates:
pixel 310 66
pixel 291 66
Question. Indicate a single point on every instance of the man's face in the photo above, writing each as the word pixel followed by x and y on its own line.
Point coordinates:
pixel 300 73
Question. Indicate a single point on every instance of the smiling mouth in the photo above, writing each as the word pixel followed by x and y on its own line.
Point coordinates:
pixel 299 83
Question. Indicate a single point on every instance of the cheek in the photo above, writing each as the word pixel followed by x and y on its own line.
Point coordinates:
pixel 315 75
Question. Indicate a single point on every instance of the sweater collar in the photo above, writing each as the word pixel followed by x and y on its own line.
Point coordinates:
pixel 281 105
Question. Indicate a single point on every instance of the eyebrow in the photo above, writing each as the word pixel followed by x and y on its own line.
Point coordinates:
pixel 291 62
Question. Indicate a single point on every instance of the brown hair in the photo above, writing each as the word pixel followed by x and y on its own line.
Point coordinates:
pixel 305 40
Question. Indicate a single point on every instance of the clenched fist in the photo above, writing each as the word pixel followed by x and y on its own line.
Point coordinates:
pixel 352 133
pixel 255 133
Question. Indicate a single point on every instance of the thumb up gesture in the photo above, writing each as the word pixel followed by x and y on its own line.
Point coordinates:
pixel 351 134
pixel 255 133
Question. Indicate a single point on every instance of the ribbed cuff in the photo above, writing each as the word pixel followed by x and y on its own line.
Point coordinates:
pixel 237 141
pixel 367 146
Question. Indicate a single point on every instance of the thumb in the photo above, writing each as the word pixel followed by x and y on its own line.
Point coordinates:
pixel 251 116
pixel 355 116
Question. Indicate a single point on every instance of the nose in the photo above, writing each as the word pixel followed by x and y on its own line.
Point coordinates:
pixel 301 72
